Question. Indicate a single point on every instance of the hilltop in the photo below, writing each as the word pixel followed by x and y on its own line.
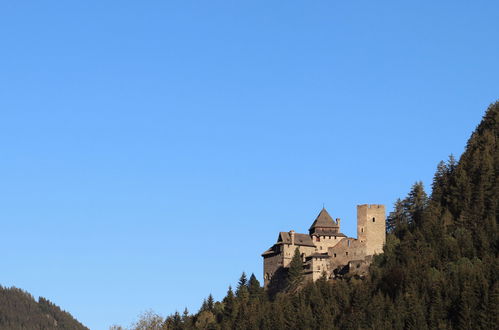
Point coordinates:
pixel 19 310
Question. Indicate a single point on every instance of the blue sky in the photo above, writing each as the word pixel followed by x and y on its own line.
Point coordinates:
pixel 151 151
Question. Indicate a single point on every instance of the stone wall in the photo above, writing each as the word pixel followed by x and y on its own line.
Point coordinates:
pixel 371 227
pixel 282 258
pixel 325 242
pixel 315 267
pixel 348 249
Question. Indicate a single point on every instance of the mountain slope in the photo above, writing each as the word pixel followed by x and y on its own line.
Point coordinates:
pixel 19 310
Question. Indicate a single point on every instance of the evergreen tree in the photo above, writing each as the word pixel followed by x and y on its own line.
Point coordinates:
pixel 295 272
pixel 229 304
pixel 415 203
pixel 242 288
pixel 210 302
pixel 254 287
pixel 398 218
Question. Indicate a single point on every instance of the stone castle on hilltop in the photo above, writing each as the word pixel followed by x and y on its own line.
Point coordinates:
pixel 325 250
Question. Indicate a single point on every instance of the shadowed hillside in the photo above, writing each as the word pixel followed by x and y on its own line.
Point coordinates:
pixel 19 310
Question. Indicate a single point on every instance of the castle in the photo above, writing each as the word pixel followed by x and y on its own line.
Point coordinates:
pixel 325 250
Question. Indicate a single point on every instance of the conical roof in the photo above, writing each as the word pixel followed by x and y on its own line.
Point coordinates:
pixel 324 220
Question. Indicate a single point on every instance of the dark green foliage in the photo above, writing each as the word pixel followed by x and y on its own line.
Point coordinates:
pixel 242 291
pixel 254 287
pixel 19 310
pixel 439 269
pixel 210 303
pixel 295 272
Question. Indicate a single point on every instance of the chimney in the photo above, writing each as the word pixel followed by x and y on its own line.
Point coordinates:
pixel 338 221
pixel 292 235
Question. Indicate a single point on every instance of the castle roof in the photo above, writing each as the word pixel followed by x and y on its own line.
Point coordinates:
pixel 324 220
pixel 268 252
pixel 300 239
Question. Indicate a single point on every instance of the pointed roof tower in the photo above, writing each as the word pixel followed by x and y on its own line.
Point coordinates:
pixel 324 224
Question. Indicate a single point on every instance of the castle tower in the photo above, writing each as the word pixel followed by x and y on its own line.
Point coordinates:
pixel 324 225
pixel 371 227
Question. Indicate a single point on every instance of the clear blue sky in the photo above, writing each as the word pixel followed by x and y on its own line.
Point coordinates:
pixel 152 150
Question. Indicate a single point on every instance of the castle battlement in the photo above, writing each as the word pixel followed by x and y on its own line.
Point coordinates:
pixel 325 249
pixel 371 206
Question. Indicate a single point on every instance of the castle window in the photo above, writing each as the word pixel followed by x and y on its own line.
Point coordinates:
pixel 334 237
pixel 321 247
pixel 374 219
pixel 317 239
pixel 346 253
pixel 362 229
pixel 335 255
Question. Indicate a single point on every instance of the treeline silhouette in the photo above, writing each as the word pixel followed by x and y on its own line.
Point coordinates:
pixel 19 310
pixel 439 269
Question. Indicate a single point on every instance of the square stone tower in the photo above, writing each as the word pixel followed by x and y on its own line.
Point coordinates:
pixel 371 227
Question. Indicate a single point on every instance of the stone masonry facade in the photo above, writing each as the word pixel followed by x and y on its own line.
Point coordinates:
pixel 325 251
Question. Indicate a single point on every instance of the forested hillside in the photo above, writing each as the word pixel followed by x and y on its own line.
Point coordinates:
pixel 19 310
pixel 439 270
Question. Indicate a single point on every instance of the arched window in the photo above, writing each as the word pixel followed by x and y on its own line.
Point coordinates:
pixel 374 219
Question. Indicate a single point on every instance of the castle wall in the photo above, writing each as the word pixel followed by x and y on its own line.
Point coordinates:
pixel 323 243
pixel 270 265
pixel 318 266
pixel 348 249
pixel 359 267
pixel 289 252
pixel 282 258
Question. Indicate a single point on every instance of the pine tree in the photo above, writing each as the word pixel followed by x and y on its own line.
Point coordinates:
pixel 229 305
pixel 204 306
pixel 493 306
pixel 397 218
pixel 176 322
pixel 254 287
pixel 465 316
pixel 210 302
pixel 415 203
pixel 242 288
pixel 295 272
